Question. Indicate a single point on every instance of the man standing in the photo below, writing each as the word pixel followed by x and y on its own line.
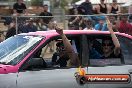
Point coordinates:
pixel 19 7
pixel 45 20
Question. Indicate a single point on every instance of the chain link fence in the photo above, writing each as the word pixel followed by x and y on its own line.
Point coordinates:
pixel 23 24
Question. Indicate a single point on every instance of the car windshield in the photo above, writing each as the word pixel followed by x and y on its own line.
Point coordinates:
pixel 9 48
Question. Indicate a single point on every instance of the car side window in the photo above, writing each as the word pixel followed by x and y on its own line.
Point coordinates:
pixel 101 51
pixel 126 46
pixel 49 55
pixel 54 52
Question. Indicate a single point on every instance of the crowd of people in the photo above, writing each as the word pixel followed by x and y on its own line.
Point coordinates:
pixel 84 17
pixel 96 17
pixel 27 24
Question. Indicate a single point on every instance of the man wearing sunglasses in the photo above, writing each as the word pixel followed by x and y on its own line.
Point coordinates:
pixel 110 46
pixel 109 50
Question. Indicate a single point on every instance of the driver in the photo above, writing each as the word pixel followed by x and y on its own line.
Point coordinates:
pixel 60 57
pixel 67 55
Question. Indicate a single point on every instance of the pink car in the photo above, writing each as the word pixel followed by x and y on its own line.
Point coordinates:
pixel 15 51
pixel 21 56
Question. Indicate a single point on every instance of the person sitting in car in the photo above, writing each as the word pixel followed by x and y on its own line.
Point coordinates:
pixel 110 46
pixel 116 51
pixel 109 50
pixel 66 53
pixel 73 59
pixel 60 57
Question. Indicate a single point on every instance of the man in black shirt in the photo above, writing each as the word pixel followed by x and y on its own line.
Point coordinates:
pixel 45 12
pixel 19 7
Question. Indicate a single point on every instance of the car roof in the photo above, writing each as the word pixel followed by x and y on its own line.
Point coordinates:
pixel 51 33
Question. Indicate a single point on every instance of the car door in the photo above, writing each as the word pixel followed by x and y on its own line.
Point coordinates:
pixel 112 66
pixel 49 77
pixel 8 80
pixel 55 78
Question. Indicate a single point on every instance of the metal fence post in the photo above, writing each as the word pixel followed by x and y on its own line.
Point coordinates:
pixel 64 25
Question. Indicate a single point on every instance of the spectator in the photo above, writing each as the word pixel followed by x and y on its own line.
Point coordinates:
pixel 102 7
pixel 124 26
pixel 82 24
pixel 7 21
pixel 11 31
pixel 29 27
pixel 1 37
pixel 86 7
pixel 45 20
pixel 19 7
pixel 101 26
pixel 73 22
pixel 113 20
pixel 88 23
pixel 51 25
pixel 97 18
pixel 130 13
pixel 95 10
pixel 114 8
